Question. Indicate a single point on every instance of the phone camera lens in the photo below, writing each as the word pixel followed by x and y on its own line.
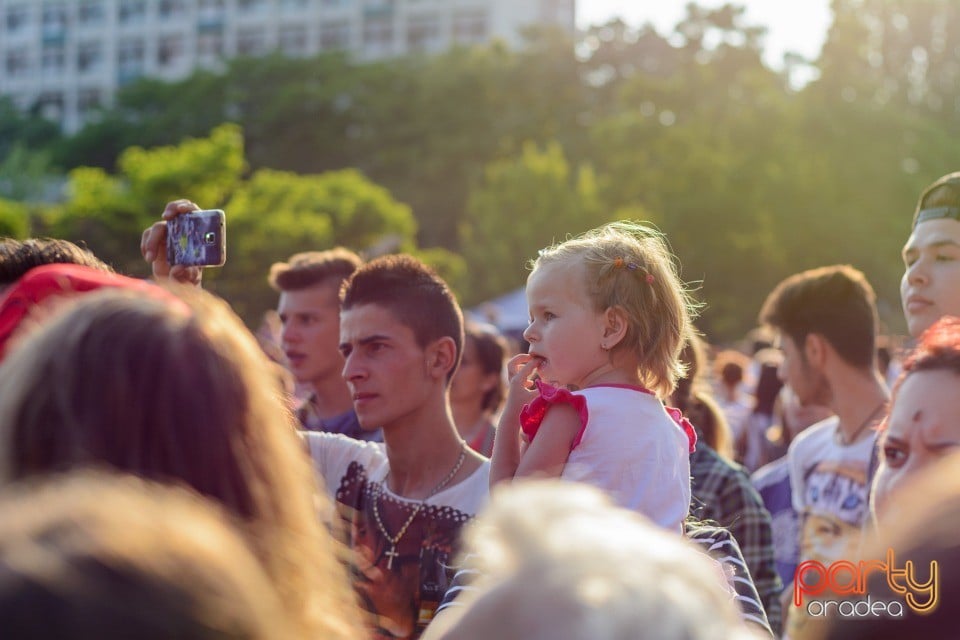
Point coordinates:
pixel 210 238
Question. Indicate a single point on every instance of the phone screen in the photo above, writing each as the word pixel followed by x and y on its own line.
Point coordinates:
pixel 197 239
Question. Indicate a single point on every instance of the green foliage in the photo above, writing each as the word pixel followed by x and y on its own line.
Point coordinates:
pixel 524 204
pixel 751 178
pixel 14 220
pixel 276 214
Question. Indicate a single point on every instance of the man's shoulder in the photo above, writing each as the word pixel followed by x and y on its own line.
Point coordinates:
pixel 814 438
pixel 469 495
pixel 332 453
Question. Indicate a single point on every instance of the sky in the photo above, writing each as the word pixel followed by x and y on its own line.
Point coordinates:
pixel 793 25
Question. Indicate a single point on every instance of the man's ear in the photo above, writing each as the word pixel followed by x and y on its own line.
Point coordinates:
pixel 441 355
pixel 815 349
pixel 615 324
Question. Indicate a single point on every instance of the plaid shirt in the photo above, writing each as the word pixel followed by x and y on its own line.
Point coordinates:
pixel 722 493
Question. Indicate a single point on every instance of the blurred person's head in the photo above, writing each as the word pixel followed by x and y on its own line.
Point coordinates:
pixel 480 377
pixel 730 368
pixel 824 315
pixel 17 257
pixel 923 425
pixel 693 397
pixel 930 286
pixel 39 292
pixel 309 310
pixel 540 578
pixel 769 383
pixel 104 556
pixel 175 391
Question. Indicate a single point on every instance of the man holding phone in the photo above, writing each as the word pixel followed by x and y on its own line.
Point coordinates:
pixel 309 310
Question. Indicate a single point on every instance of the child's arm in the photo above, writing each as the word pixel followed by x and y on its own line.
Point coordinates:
pixel 548 452
pixel 507 445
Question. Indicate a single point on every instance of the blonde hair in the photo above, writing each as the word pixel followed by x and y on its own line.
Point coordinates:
pixel 96 555
pixel 178 394
pixel 629 265
pixel 559 560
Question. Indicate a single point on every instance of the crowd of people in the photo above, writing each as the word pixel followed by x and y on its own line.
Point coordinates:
pixel 379 467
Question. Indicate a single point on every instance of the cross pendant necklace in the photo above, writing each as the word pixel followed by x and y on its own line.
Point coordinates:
pixel 390 556
pixel 378 491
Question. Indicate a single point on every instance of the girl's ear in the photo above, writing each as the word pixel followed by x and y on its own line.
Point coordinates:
pixel 441 355
pixel 615 321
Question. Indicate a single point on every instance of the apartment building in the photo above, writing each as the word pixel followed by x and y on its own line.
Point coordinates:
pixel 67 57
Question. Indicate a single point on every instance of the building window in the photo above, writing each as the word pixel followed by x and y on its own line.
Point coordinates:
pixel 170 50
pixel 130 59
pixel 210 45
pixel 53 59
pixel 54 20
pixel 423 33
pixel 17 17
pixel 91 12
pixel 168 9
pixel 89 56
pixel 378 34
pixel 88 100
pixel 132 11
pixel 251 42
pixel 470 27
pixel 293 39
pixel 251 6
pixel 335 35
pixel 50 105
pixel 17 64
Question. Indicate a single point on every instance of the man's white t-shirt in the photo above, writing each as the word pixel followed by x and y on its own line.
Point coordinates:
pixel 399 585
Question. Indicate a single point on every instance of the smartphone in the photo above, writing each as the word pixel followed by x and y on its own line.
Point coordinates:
pixel 197 239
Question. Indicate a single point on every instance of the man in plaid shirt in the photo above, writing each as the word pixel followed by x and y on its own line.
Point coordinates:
pixel 722 492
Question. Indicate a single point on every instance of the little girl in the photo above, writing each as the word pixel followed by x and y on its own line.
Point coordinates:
pixel 608 316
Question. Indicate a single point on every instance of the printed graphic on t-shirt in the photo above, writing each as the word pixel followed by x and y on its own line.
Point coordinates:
pixel 400 586
pixel 835 494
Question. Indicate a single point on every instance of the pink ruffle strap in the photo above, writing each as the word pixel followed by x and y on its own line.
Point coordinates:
pixel 677 416
pixel 532 414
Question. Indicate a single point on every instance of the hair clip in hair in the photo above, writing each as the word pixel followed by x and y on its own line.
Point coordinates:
pixel 649 278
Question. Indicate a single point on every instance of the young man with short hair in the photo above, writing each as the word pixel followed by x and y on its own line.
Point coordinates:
pixel 309 308
pixel 827 322
pixel 401 503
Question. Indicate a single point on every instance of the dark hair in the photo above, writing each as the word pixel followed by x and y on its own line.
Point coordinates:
pixel 768 388
pixel 16 257
pixel 112 557
pixel 836 302
pixel 182 394
pixel 730 365
pixel 945 192
pixel 413 293
pixel 492 350
pixel 311 268
pixel 693 397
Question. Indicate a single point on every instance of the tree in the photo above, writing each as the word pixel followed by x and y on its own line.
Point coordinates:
pixel 276 214
pixel 524 204
pixel 14 220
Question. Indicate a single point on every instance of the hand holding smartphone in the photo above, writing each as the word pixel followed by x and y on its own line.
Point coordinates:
pixel 197 239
